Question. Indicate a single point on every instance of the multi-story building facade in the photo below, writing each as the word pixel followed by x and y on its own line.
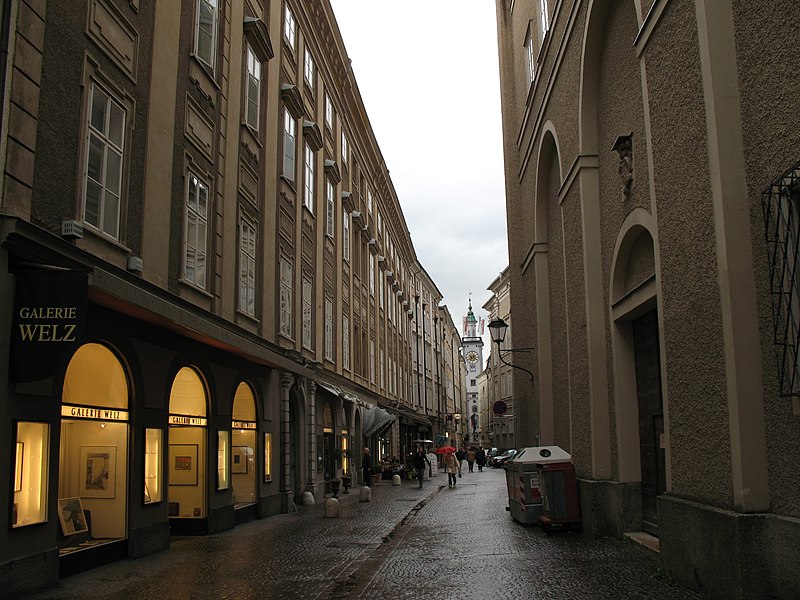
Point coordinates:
pixel 452 378
pixel 652 187
pixel 472 352
pixel 207 285
pixel 500 398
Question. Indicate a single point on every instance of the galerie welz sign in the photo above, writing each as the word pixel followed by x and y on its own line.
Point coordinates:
pixel 49 315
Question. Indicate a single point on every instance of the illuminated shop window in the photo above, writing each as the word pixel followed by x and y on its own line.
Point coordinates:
pixel 30 474
pixel 223 474
pixel 243 445
pixel 267 457
pixel 152 465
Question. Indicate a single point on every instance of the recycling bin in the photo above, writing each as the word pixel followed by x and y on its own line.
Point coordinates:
pixel 523 479
pixel 559 492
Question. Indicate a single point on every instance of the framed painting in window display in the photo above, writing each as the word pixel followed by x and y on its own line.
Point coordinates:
pixel 183 464
pixel 71 517
pixel 240 454
pixel 98 471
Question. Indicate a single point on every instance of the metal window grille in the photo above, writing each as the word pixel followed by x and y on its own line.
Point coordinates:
pixel 781 206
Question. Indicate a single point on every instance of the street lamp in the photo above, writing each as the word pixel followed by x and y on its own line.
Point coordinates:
pixel 498 329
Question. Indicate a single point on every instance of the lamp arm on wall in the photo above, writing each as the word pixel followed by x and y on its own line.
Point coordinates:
pixel 508 364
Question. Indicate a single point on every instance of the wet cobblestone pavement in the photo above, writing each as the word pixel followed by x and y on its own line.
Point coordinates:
pixel 409 543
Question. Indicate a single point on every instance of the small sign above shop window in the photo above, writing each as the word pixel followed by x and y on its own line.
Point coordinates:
pixel 243 425
pixel 98 414
pixel 184 420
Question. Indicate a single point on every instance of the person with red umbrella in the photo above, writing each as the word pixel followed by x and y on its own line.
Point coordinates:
pixel 450 464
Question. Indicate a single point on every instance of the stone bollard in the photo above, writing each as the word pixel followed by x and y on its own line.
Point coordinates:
pixel 366 494
pixel 396 480
pixel 331 508
pixel 308 499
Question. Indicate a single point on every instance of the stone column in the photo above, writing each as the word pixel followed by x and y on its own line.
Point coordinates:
pixel 311 411
pixel 287 494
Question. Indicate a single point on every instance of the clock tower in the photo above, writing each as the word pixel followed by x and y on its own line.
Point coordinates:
pixel 472 352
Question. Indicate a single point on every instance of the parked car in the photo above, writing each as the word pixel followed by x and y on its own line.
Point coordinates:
pixel 500 460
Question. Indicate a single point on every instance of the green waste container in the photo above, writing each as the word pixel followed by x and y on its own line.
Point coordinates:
pixel 523 474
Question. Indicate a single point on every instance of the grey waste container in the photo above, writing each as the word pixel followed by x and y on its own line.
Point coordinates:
pixel 522 480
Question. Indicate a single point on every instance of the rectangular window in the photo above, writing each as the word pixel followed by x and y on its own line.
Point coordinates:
pixel 346 341
pixel 530 57
pixel 328 328
pixel 267 457
pixel 104 162
pixel 205 41
pixel 372 361
pixel 152 466
pixel 289 137
pixel 247 266
pixel 381 368
pixel 290 29
pixel 308 193
pixel 194 258
pixel 331 206
pixel 544 18
pixel 346 236
pixel 381 288
pixel 307 324
pixel 309 69
pixel 328 112
pixel 286 297
pixel 31 466
pixel 345 150
pixel 369 201
pixel 371 275
pixel 253 92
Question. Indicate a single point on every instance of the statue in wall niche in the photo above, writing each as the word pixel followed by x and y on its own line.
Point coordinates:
pixel 623 146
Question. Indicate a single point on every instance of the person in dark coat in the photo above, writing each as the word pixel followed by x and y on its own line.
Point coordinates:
pixel 366 467
pixel 420 462
pixel 461 455
pixel 481 458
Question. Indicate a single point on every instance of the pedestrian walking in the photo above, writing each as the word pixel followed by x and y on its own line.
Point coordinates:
pixel 451 466
pixel 420 461
pixel 366 467
pixel 471 458
pixel 461 455
pixel 481 458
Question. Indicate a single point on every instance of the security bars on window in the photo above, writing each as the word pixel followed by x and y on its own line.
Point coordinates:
pixel 782 221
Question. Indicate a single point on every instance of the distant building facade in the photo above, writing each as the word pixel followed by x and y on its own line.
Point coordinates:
pixel 501 400
pixel 209 297
pixel 652 167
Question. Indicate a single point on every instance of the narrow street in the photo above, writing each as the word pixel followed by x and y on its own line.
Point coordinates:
pixel 436 542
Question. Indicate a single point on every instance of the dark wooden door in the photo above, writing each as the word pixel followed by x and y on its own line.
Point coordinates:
pixel 651 416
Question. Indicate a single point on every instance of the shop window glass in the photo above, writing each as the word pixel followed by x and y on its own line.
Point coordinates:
pixel 243 447
pixel 267 457
pixel 152 466
pixel 95 377
pixel 223 475
pixel 30 474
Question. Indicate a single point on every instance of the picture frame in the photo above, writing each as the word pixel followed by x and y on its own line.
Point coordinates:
pixel 71 516
pixel 239 464
pixel 183 464
pixel 98 471
pixel 18 468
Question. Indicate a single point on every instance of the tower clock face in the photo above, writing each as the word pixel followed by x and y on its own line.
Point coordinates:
pixel 472 357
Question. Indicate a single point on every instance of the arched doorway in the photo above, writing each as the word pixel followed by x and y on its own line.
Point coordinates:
pixel 186 462
pixel 93 455
pixel 243 446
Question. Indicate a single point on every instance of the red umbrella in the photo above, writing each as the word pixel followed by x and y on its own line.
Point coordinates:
pixel 445 450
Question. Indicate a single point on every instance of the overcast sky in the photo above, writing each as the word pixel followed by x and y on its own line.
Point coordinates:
pixel 428 74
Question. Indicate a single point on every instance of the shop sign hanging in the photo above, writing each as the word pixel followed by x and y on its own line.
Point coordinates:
pixel 243 425
pixel 99 414
pixel 184 420
pixel 48 320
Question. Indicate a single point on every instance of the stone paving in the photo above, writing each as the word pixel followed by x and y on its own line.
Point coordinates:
pixel 407 543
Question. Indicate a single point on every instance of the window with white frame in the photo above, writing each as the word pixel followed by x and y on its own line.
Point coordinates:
pixel 328 328
pixel 369 201
pixel 308 193
pixel 307 317
pixel 247 265
pixel 287 274
pixel 530 56
pixel 345 150
pixel 309 69
pixel 289 139
pixel 196 234
pixel 328 111
pixel 253 91
pixel 290 28
pixel 372 361
pixel 205 40
pixel 371 275
pixel 102 201
pixel 346 341
pixel 330 208
pixel 381 364
pixel 381 287
pixel 544 18
pixel 346 236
